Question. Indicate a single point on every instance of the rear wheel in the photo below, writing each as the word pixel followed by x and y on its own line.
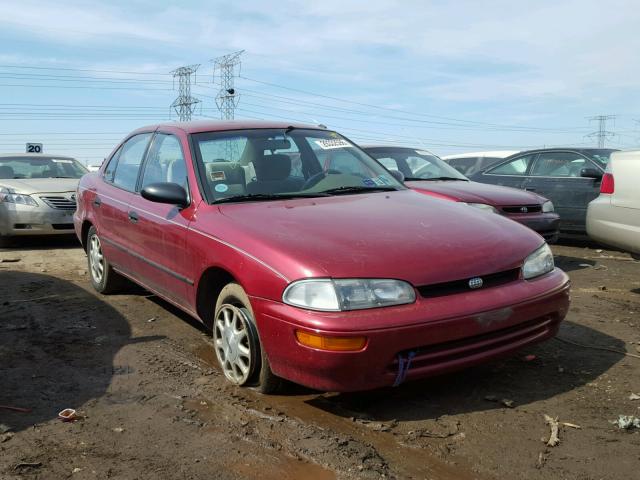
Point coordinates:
pixel 237 343
pixel 103 277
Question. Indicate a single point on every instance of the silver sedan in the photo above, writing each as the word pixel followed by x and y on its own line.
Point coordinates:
pixel 37 194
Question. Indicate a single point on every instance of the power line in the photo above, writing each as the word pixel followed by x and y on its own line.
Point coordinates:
pixel 184 104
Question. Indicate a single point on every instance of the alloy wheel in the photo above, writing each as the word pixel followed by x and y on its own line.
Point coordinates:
pixel 96 259
pixel 233 344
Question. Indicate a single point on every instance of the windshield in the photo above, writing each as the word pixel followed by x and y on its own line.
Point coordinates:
pixel 600 155
pixel 414 164
pixel 264 164
pixel 40 167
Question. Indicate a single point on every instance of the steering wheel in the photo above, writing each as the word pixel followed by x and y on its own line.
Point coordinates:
pixel 316 178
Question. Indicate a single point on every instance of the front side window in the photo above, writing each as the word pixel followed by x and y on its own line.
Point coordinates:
pixel 559 164
pixel 285 162
pixel 129 160
pixel 40 167
pixel 517 166
pixel 415 164
pixel 165 162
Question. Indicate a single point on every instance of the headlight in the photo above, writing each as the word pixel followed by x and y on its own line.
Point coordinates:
pixel 547 207
pixel 538 263
pixel 348 294
pixel 483 206
pixel 10 196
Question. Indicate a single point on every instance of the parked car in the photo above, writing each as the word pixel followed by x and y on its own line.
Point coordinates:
pixel 426 173
pixel 614 217
pixel 37 194
pixel 472 162
pixel 340 279
pixel 570 178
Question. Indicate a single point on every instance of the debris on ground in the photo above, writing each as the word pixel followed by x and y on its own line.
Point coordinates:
pixel 634 396
pixel 152 319
pixel 118 429
pixel 627 422
pixel 570 425
pixel 22 465
pixel 5 437
pixel 507 403
pixel 9 260
pixel 542 458
pixel 68 415
pixel 4 428
pixel 553 436
pixel 15 409
pixel 602 287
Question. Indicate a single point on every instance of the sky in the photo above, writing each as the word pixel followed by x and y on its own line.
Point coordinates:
pixel 450 77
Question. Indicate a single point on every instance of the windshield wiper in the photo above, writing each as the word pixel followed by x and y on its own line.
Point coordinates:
pixel 413 179
pixel 357 189
pixel 250 197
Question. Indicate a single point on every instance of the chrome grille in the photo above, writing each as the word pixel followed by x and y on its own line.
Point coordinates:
pixel 61 203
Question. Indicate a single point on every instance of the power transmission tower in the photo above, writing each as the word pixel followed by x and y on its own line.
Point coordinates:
pixel 227 97
pixel 602 134
pixel 184 104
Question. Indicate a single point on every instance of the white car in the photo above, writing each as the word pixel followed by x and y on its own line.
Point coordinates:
pixel 472 162
pixel 614 217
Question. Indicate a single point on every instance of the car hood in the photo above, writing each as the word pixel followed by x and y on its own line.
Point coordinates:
pixel 40 185
pixel 404 235
pixel 474 192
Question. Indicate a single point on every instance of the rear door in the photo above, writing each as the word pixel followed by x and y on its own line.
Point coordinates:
pixel 159 230
pixel 112 198
pixel 556 176
pixel 511 173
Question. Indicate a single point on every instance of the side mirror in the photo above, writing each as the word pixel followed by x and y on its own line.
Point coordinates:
pixel 398 175
pixel 591 173
pixel 166 192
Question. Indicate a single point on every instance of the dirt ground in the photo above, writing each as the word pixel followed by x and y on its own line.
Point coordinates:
pixel 152 403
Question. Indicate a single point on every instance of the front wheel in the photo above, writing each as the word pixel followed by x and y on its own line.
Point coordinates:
pixel 103 277
pixel 237 343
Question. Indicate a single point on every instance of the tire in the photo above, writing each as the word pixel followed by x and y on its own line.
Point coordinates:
pixel 103 277
pixel 237 344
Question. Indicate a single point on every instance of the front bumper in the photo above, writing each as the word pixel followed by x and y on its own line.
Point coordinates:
pixel 16 219
pixel 546 224
pixel 445 333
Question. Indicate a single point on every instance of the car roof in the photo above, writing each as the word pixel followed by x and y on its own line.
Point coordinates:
pixel 396 147
pixel 569 149
pixel 34 155
pixel 491 153
pixel 200 126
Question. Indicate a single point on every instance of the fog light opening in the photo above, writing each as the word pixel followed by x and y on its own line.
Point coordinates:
pixel 335 344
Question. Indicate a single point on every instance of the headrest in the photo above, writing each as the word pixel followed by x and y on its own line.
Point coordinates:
pixel 6 172
pixel 272 167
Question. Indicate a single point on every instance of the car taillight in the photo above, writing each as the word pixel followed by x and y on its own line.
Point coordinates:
pixel 607 186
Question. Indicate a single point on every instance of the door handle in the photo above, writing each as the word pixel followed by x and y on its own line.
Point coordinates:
pixel 133 217
pixel 97 202
pixel 530 189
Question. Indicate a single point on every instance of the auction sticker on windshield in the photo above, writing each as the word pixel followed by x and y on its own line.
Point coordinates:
pixel 329 144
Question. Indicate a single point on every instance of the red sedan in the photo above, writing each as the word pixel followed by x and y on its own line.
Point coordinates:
pixel 426 173
pixel 340 279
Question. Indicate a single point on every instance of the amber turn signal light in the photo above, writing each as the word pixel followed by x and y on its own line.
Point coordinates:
pixel 335 344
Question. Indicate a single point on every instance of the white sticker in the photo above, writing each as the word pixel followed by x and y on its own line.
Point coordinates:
pixel 221 188
pixel 329 144
pixel 57 160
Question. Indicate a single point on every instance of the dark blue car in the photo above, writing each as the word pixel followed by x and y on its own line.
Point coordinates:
pixel 569 177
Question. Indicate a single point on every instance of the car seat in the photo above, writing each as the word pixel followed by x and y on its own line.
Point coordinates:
pixel 6 172
pixel 177 172
pixel 273 175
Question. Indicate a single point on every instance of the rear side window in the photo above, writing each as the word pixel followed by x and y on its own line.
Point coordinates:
pixel 559 164
pixel 129 161
pixel 517 166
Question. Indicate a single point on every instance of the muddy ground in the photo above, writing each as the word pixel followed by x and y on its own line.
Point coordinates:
pixel 152 403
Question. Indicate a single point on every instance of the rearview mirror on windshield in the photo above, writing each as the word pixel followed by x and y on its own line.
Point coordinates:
pixel 397 174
